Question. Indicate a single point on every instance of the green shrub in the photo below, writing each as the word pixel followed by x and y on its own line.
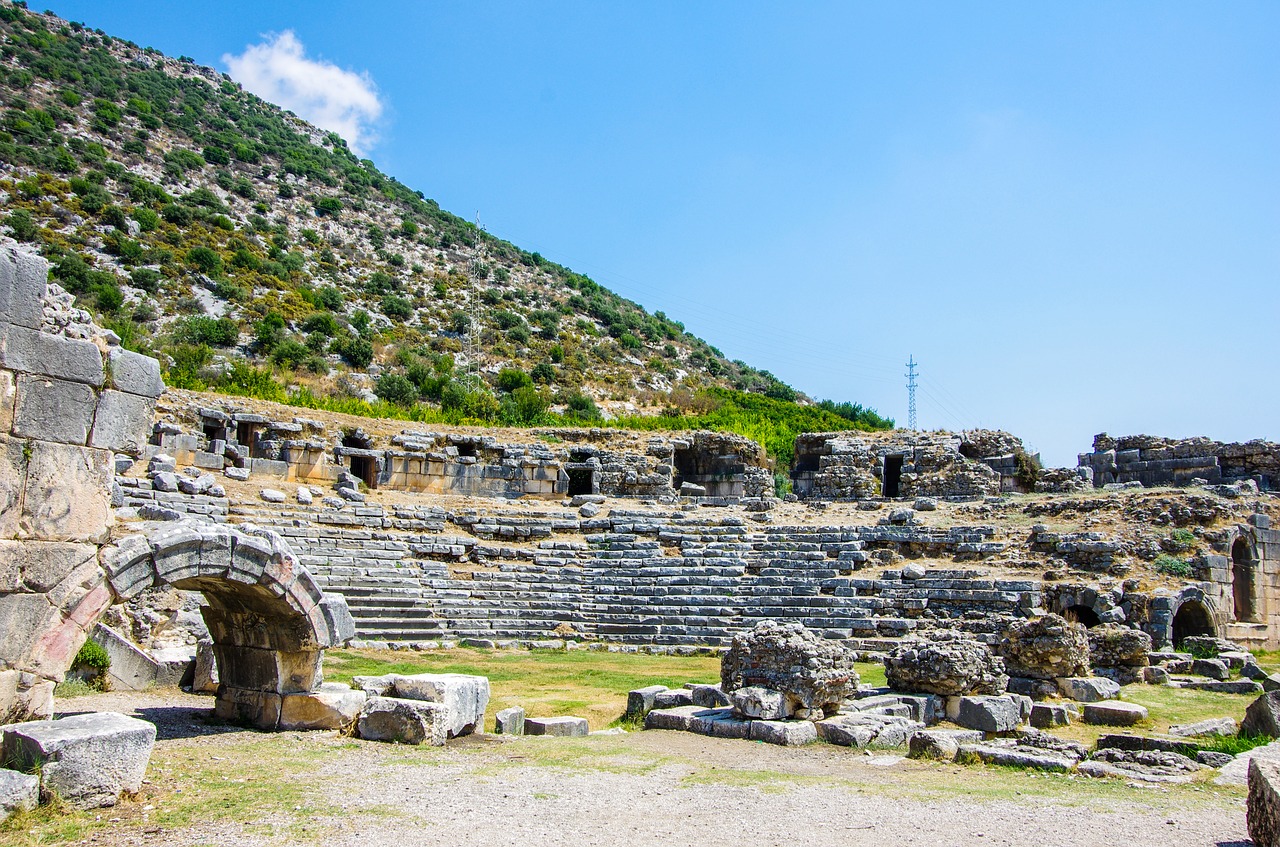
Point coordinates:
pixel 1173 566
pixel 397 389
pixel 202 329
pixel 353 349
pixel 205 260
pixel 92 655
pixel 509 379
pixel 397 308
pixel 543 373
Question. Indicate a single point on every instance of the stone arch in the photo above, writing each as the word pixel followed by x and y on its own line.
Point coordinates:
pixel 1082 614
pixel 1192 617
pixel 269 619
pixel 1243 580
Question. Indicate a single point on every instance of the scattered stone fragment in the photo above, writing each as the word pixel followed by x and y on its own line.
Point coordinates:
pixel 808 671
pixel 332 706
pixel 510 721
pixel 994 714
pixel 760 703
pixel 785 733
pixel 1142 765
pixel 948 664
pixel 940 743
pixel 1263 807
pixel 1011 755
pixel 1210 727
pixel 1049 715
pixel 18 792
pixel 563 727
pixel 710 696
pixel 1091 689
pixel 672 698
pixel 1214 759
pixel 1114 713
pixel 1263 716
pixel 640 701
pixel 403 721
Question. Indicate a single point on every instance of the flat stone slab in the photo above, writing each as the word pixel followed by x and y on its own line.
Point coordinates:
pixel 333 706
pixel 1016 757
pixel 87 760
pixel 940 743
pixel 1207 728
pixel 680 718
pixel 1114 713
pixel 565 727
pixel 720 723
pixel 1088 689
pixel 465 696
pixel 1236 772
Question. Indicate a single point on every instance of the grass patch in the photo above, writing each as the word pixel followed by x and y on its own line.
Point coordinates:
pixel 1167 707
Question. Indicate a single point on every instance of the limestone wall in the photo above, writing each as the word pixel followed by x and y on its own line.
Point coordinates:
pixel 1152 460
pixel 67 404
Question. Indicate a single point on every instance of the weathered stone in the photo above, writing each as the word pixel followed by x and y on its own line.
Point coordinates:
pixel 940 743
pixel 810 672
pixel 134 373
pixel 839 731
pixel 1114 713
pixel 1213 759
pixel 272 495
pixel 1088 689
pixel 28 351
pixel 563 727
pixel 708 696
pixel 1142 765
pixel 1016 757
pixel 994 714
pixel 121 422
pixel 403 721
pixel 679 718
pixel 464 696
pixel 719 723
pixel 1263 811
pixel 672 698
pixel 87 760
pixel 1263 716
pixel 18 792
pixel 786 733
pixel 509 721
pixel 68 493
pixel 1049 715
pixel 204 678
pixel 1046 647
pixel 1115 646
pixel 948 664
pixel 331 706
pixel 640 701
pixel 1212 668
pixel 1207 728
pixel 23 277
pixel 53 410
pixel 760 703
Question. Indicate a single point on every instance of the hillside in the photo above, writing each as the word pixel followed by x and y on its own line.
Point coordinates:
pixel 254 253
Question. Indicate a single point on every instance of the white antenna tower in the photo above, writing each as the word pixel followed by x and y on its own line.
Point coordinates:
pixel 477 264
pixel 911 393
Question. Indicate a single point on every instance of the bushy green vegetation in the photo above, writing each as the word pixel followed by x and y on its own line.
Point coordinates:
pixel 1173 566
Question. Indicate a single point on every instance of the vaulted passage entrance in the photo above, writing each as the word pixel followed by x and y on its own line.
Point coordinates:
pixel 1081 614
pixel 269 620
pixel 892 479
pixel 1243 568
pixel 1192 618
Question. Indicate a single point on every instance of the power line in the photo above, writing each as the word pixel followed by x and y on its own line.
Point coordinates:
pixel 911 393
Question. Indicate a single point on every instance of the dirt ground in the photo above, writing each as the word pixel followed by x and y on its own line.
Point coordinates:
pixel 212 784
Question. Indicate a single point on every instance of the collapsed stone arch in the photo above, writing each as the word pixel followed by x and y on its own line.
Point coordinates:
pixel 1192 616
pixel 269 620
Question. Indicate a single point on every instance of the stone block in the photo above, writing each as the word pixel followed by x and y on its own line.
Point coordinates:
pixel 204 676
pixel 673 698
pixel 994 714
pixel 841 732
pixel 1049 715
pixel 135 373
pixel 465 697
pixel 785 733
pixel 565 727
pixel 640 701
pixel 13 483
pixel 940 743
pixel 1263 716
pixel 510 721
pixel 403 721
pixel 1114 713
pixel 131 669
pixel 8 392
pixel 1263 805
pixel 87 760
pixel 122 422
pixel 708 696
pixel 1212 668
pixel 760 703
pixel 1015 757
pixel 678 718
pixel 719 723
pixel 53 410
pixel 28 351
pixel 332 706
pixel 18 792
pixel 23 282
pixel 67 496
pixel 1088 689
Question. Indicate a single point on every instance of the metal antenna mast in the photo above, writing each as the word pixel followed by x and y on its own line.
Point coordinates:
pixel 477 265
pixel 911 393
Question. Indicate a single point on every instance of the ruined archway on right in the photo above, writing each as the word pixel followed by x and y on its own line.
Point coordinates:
pixel 1244 580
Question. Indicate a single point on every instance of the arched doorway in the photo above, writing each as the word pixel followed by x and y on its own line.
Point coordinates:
pixel 1192 618
pixel 269 620
pixel 1081 614
pixel 1242 580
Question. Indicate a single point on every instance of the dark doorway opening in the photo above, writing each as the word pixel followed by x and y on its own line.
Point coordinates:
pixel 1082 615
pixel 581 481
pixel 892 478
pixel 366 469
pixel 685 465
pixel 1242 579
pixel 244 434
pixel 1192 618
pixel 215 432
pixel 467 450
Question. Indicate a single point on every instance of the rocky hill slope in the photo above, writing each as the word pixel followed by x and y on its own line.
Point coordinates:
pixel 256 254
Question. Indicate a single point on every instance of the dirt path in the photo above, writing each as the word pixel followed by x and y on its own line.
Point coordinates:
pixel 611 790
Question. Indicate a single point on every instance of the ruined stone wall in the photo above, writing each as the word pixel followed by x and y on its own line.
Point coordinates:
pixel 902 463
pixel 69 399
pixel 1152 460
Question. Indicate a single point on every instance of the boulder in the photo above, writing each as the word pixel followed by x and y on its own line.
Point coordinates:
pixel 1049 715
pixel 510 721
pixel 1226 727
pixel 1090 689
pixel 87 760
pixel 564 727
pixel 810 672
pixel 948 664
pixel 1263 811
pixel 994 714
pixel 1046 647
pixel 1115 646
pixel 760 703
pixel 640 701
pixel 1114 713
pixel 1263 716
pixel 403 721
pixel 19 792
pixel 672 698
pixel 464 696
pixel 940 743
pixel 785 733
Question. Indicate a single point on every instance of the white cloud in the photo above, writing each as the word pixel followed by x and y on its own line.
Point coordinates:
pixel 338 100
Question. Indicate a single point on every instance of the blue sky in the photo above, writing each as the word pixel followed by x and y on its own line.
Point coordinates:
pixel 1068 213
